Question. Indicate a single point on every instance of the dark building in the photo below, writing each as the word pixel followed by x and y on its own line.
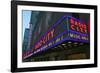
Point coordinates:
pixel 25 40
pixel 41 23
pixel 32 27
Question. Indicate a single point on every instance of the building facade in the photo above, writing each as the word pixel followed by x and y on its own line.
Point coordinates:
pixel 25 40
pixel 41 25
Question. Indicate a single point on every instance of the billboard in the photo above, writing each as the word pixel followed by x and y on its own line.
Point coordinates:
pixel 67 28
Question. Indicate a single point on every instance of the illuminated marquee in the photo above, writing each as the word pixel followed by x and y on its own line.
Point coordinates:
pixel 67 28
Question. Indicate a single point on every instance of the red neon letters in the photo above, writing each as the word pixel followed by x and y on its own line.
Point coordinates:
pixel 45 39
pixel 77 26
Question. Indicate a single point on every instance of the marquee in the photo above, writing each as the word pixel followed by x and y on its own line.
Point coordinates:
pixel 65 29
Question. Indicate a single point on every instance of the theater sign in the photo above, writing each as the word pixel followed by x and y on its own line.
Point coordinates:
pixel 66 28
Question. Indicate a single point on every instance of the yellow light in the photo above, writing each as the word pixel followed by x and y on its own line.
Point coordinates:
pixel 55 47
pixel 75 43
pixel 69 42
pixel 63 44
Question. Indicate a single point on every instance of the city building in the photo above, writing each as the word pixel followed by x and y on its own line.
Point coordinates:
pixel 59 36
pixel 25 40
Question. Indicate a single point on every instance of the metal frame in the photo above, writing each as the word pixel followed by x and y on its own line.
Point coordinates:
pixel 14 5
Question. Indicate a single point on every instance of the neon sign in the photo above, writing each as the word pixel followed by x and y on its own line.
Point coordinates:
pixel 59 33
pixel 76 33
pixel 45 39
pixel 77 26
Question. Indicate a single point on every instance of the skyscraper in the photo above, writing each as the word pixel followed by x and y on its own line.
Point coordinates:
pixel 25 40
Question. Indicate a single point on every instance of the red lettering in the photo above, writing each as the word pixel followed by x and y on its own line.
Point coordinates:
pixel 72 21
pixel 72 27
pixel 85 28
pixel 48 35
pixel 77 26
pixel 45 39
pixel 52 33
pixel 76 23
pixel 81 28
